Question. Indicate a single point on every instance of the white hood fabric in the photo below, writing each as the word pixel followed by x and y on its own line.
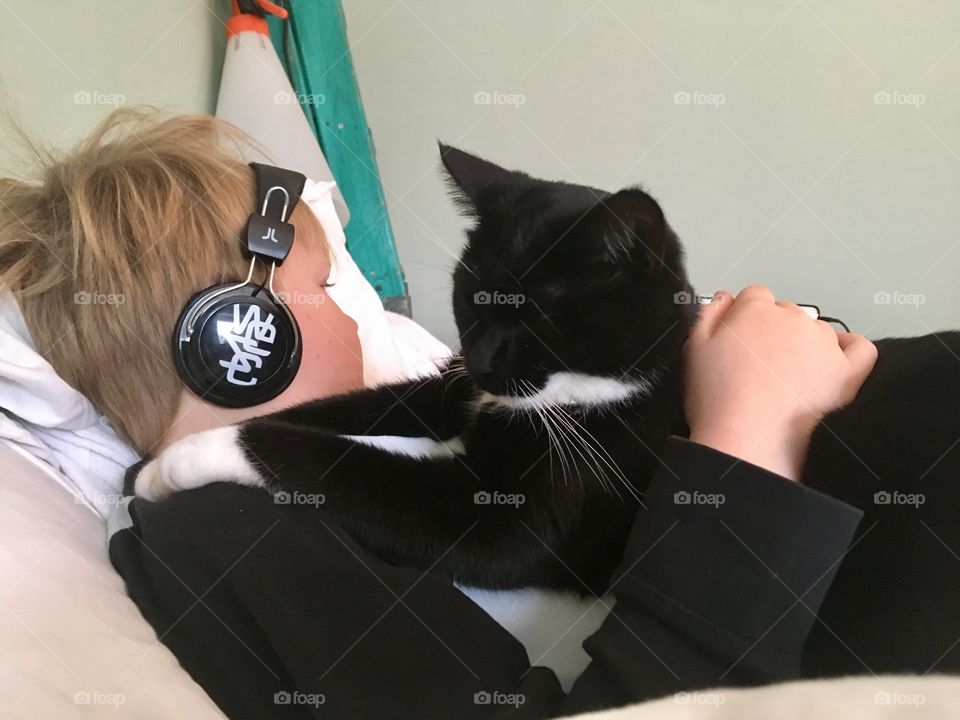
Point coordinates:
pixel 394 347
pixel 52 422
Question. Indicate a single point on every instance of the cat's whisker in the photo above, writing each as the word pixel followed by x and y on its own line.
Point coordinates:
pixel 454 371
pixel 579 444
pixel 567 436
pixel 466 267
pixel 595 449
pixel 606 457
pixel 553 435
pixel 564 446
pixel 455 367
pixel 551 443
pixel 546 426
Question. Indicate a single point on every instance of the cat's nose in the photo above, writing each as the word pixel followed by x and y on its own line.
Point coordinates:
pixel 492 360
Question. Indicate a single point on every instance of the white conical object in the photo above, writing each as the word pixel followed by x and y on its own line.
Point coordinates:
pixel 256 96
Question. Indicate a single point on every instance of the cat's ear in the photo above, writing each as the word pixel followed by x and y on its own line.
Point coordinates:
pixel 631 226
pixel 472 178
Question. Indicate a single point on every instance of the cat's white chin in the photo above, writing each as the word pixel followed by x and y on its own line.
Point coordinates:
pixel 195 461
pixel 574 388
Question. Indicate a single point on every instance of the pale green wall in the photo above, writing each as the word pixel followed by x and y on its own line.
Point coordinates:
pixel 879 183
pixel 165 53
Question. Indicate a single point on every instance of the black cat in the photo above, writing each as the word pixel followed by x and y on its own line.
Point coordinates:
pixel 524 462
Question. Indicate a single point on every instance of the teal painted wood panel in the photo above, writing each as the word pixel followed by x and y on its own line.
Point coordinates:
pixel 321 70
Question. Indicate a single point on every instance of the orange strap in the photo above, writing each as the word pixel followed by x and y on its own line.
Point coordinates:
pixel 244 22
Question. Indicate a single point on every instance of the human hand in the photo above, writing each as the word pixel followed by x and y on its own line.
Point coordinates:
pixel 760 374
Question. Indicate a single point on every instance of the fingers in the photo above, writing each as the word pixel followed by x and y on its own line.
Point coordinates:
pixel 756 293
pixel 792 307
pixel 712 313
pixel 827 328
pixel 845 340
pixel 860 352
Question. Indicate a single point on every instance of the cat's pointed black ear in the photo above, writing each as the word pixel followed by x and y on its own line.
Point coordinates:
pixel 472 178
pixel 632 227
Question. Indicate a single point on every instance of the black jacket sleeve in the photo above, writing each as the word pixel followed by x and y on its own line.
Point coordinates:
pixel 720 583
pixel 277 612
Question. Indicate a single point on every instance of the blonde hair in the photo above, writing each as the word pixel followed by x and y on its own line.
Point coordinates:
pixel 105 249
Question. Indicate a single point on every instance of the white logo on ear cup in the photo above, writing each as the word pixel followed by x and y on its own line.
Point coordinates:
pixel 245 338
pixel 270 235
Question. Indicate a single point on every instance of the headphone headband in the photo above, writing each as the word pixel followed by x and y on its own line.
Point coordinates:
pixel 269 236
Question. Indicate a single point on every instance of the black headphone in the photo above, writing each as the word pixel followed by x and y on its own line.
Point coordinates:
pixel 236 344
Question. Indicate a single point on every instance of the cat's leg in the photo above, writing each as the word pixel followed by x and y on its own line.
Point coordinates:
pixel 433 407
pixel 195 461
pixel 422 506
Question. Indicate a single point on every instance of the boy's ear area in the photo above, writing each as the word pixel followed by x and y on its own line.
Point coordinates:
pixel 632 227
pixel 471 178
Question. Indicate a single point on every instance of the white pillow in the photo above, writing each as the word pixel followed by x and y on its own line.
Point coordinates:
pixel 72 644
pixel 883 697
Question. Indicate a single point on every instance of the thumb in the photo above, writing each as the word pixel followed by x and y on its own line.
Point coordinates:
pixel 860 352
pixel 711 313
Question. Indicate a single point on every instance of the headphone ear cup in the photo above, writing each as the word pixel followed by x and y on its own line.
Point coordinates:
pixel 236 345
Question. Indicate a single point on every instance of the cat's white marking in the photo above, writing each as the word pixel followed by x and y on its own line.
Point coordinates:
pixel 197 460
pixel 215 455
pixel 415 447
pixel 573 388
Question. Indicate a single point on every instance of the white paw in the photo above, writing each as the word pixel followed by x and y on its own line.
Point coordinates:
pixel 197 460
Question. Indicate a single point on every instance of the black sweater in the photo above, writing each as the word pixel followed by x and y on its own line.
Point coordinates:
pixel 277 615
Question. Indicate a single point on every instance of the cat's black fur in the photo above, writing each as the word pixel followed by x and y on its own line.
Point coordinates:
pixel 605 294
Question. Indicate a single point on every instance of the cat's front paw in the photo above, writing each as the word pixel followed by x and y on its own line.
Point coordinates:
pixel 196 460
